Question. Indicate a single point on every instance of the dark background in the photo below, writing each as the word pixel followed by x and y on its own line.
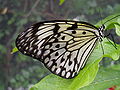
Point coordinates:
pixel 18 71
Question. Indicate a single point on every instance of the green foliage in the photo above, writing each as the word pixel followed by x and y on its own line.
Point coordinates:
pixel 1 86
pixel 61 2
pixel 14 50
pixel 117 29
pixel 2 50
pixel 105 78
pixel 22 78
pixel 111 23
pixel 88 73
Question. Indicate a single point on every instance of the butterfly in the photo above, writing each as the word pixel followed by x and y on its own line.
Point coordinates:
pixel 63 46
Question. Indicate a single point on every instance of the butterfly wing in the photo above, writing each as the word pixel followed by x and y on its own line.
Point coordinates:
pixel 62 46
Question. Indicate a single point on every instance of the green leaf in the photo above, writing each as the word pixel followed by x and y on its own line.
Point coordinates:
pixel 2 86
pixel 117 29
pixel 3 50
pixel 61 2
pixel 118 20
pixel 14 50
pixel 106 78
pixel 110 50
pixel 109 21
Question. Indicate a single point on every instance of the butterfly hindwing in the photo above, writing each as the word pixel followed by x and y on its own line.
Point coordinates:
pixel 62 46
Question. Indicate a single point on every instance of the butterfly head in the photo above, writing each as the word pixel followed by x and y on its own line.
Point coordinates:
pixel 101 31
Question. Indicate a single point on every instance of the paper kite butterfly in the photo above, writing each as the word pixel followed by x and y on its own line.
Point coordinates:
pixel 63 46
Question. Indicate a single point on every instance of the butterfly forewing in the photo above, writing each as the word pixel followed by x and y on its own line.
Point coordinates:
pixel 62 46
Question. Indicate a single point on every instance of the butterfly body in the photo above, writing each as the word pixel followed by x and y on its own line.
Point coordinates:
pixel 63 46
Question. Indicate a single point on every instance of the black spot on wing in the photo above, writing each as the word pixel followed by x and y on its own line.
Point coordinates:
pixel 56 40
pixel 70 62
pixel 51 50
pixel 58 35
pixel 74 26
pixel 62 60
pixel 56 54
pixel 75 60
pixel 84 32
pixel 57 46
pixel 63 38
pixel 73 32
pixel 55 30
pixel 69 56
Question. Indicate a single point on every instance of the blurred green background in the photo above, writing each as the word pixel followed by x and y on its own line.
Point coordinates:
pixel 20 72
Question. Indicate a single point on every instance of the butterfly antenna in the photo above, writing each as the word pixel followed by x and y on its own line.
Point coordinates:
pixel 102 46
pixel 111 34
pixel 112 40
